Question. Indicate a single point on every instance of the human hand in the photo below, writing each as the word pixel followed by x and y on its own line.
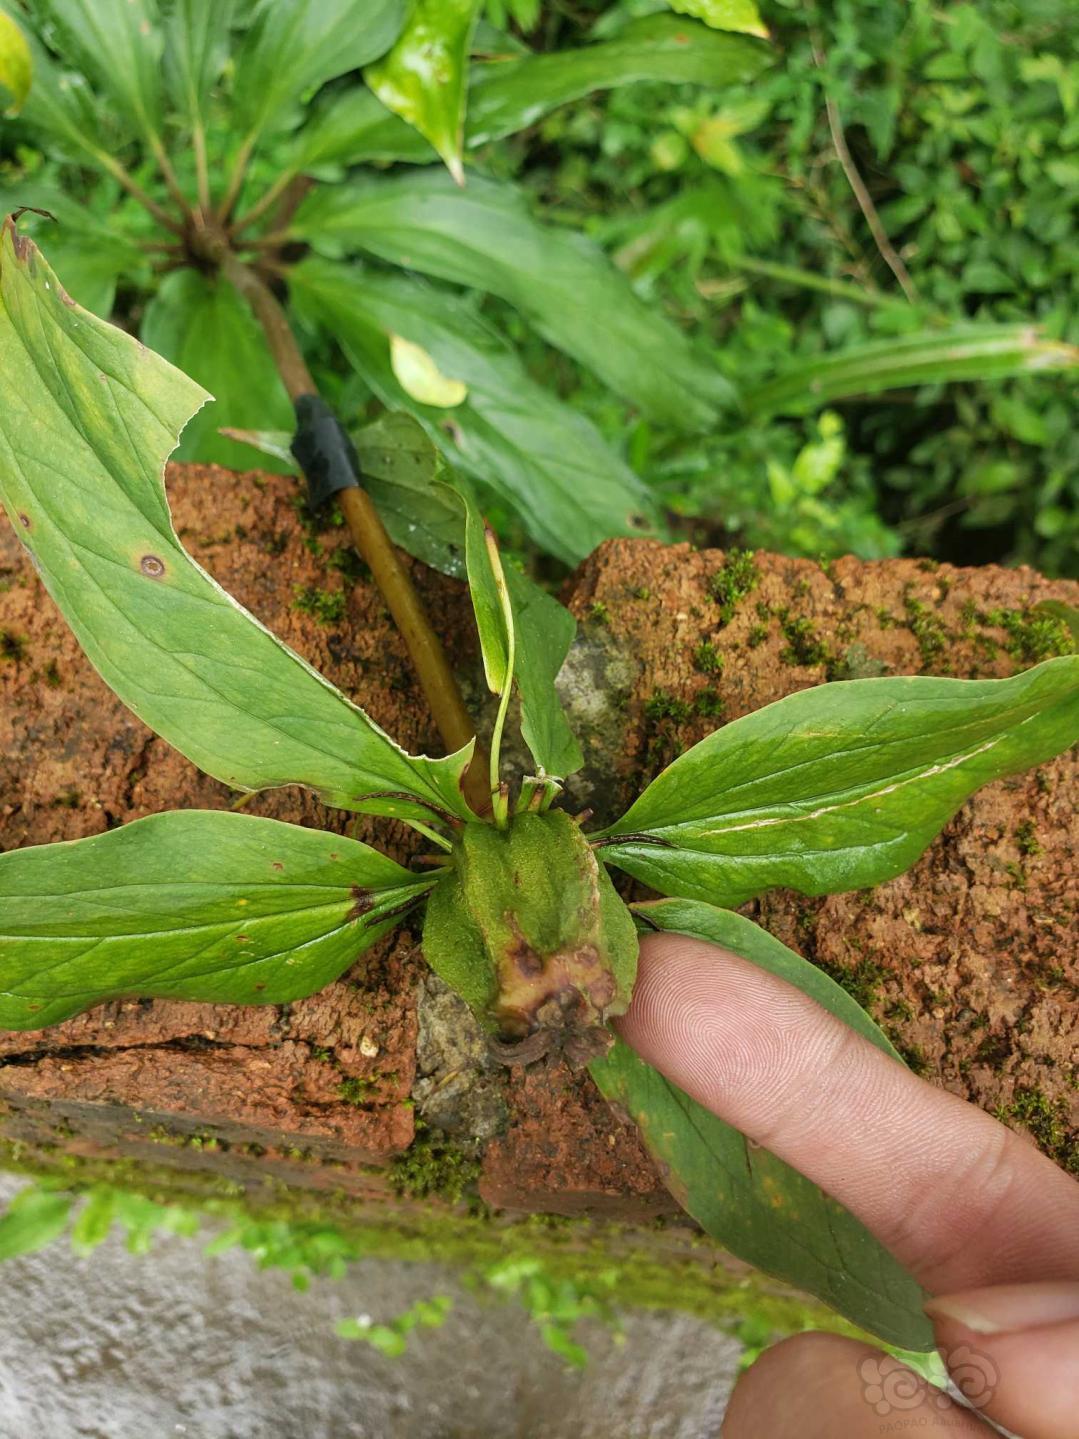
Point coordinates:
pixel 988 1226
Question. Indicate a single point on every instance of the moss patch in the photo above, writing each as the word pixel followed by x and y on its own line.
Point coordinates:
pixel 664 1266
pixel 326 606
pixel 434 1165
pixel 1046 1121
pixel 1032 637
pixel 738 577
pixel 804 646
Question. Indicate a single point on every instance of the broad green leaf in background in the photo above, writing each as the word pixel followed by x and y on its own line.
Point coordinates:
pixel 740 15
pixel 294 46
pixel 16 66
pixel 59 102
pixel 485 237
pixel 119 48
pixel 838 787
pixel 350 128
pixel 32 1220
pixel 202 326
pixel 507 94
pixel 968 352
pixel 751 1202
pixel 89 417
pixel 424 78
pixel 196 50
pixel 571 491
pixel 196 904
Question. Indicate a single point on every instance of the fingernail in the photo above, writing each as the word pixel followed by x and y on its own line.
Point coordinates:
pixel 1007 1308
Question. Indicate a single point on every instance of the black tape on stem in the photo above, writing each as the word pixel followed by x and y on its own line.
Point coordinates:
pixel 323 451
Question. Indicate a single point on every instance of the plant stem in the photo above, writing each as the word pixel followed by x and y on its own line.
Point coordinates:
pixel 168 174
pixel 429 833
pixel 259 208
pixel 805 279
pixel 133 188
pixel 236 179
pixel 369 535
pixel 202 168
pixel 887 250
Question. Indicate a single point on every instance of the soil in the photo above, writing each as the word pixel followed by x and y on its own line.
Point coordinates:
pixel 970 961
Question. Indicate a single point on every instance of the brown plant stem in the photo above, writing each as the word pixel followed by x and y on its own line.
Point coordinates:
pixel 887 250
pixel 369 535
pixel 133 188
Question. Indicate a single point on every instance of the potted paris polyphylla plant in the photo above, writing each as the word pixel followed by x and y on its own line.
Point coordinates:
pixel 834 788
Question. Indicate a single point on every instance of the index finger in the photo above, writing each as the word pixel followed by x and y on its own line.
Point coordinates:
pixel 958 1198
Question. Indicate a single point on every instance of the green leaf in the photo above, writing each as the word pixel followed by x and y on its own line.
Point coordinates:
pixel 762 1210
pixel 490 599
pixel 545 631
pixel 203 327
pixel 740 935
pixel 59 103
pixel 33 1219
pixel 294 46
pixel 196 51
pixel 508 95
pixel 553 466
pixel 485 237
pixel 839 787
pixel 403 473
pixel 524 636
pixel 94 1221
pixel 351 128
pixel 424 78
pixel 87 252
pixel 200 905
pixel 118 45
pixel 275 443
pixel 16 66
pixel 89 417
pixel 968 352
pixel 741 15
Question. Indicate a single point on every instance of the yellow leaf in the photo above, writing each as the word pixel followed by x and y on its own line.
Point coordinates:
pixel 15 66
pixel 418 374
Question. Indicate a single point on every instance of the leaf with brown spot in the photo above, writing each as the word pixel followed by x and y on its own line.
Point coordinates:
pixel 88 419
pixel 157 908
pixel 759 1208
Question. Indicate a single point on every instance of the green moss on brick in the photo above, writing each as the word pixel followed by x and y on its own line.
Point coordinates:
pixel 1032 637
pixel 707 659
pixel 326 606
pixel 434 1165
pixel 929 631
pixel 804 646
pixel 730 584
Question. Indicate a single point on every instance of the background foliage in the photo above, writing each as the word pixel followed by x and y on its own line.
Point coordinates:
pixel 726 206
pixel 964 123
